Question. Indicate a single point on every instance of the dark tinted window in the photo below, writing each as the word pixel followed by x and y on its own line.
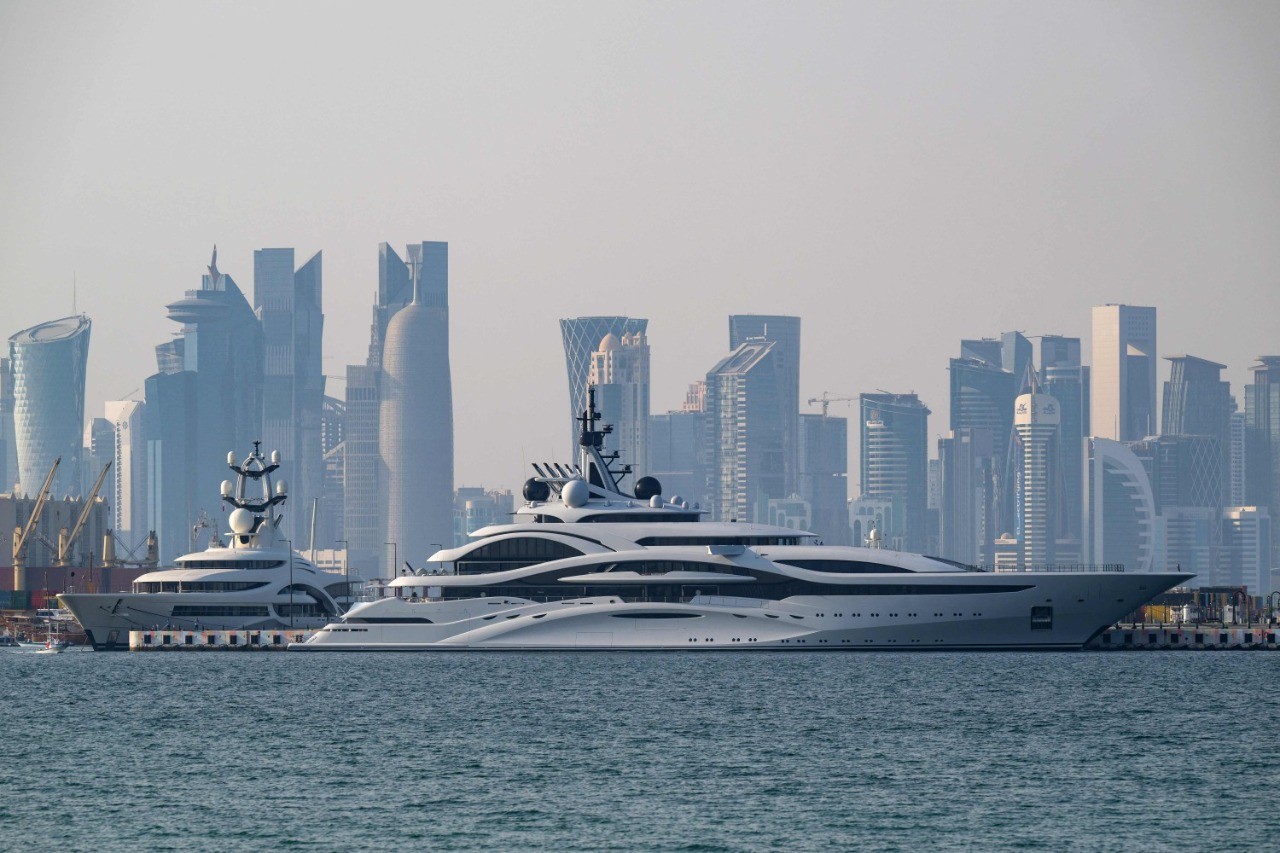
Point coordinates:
pixel 718 540
pixel 844 567
pixel 513 554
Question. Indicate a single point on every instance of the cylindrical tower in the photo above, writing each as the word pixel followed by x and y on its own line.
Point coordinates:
pixel 416 417
pixel 48 363
pixel 1036 418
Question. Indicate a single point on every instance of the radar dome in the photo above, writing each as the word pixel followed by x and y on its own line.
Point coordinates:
pixel 575 493
pixel 536 490
pixel 647 487
pixel 282 487
pixel 655 501
pixel 241 520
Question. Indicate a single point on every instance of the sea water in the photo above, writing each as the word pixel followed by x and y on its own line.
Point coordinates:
pixel 640 751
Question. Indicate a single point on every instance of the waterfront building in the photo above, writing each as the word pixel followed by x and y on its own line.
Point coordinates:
pixel 48 364
pixel 288 304
pixel 169 432
pixel 1237 442
pixel 99 451
pixel 894 461
pixel 415 416
pixel 620 374
pixel 745 457
pixel 966 503
pixel 475 507
pixel 362 478
pixel 1262 418
pixel 129 470
pixel 1120 514
pixel 879 514
pixel 8 445
pixel 678 454
pixel 784 332
pixel 581 337
pixel 329 525
pixel 1123 396
pixel 222 345
pixel 1036 419
pixel 793 512
pixel 1062 377
pixel 1246 550
pixel 824 475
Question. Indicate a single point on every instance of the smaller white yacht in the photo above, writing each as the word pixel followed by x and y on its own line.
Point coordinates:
pixel 253 580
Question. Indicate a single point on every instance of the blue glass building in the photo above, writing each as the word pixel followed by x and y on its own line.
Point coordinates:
pixel 47 363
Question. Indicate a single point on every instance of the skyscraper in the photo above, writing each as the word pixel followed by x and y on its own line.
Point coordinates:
pixel 1123 396
pixel 1246 550
pixel 745 466
pixel 785 333
pixel 1262 418
pixel 1120 519
pixel 678 448
pixel 363 498
pixel 415 420
pixel 1237 459
pixel 222 345
pixel 620 374
pixel 1036 419
pixel 894 456
pixel 966 505
pixel 824 475
pixel 169 424
pixel 288 305
pixel 48 366
pixel 581 337
pixel 129 451
pixel 8 445
pixel 1063 379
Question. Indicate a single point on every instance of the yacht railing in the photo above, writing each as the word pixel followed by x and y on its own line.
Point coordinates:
pixel 1056 567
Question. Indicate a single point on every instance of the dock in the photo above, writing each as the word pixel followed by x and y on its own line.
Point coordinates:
pixel 1189 637
pixel 173 640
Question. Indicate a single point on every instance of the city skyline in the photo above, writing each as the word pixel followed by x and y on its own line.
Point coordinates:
pixel 912 189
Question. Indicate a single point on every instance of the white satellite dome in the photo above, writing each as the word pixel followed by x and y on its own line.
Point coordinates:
pixel 241 520
pixel 575 493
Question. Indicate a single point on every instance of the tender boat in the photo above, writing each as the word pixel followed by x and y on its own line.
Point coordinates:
pixel 585 565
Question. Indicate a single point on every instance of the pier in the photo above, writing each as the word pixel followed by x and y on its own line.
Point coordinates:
pixel 172 640
pixel 1190 637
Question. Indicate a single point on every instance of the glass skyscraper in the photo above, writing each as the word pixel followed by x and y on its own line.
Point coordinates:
pixel 1262 450
pixel 288 304
pixel 784 332
pixel 581 337
pixel 1123 397
pixel 47 363
pixel 745 467
pixel 894 455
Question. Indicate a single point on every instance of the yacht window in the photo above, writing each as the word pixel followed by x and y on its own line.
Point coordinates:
pixel 718 540
pixel 845 567
pixel 230 564
pixel 638 517
pixel 184 611
pixel 197 586
pixel 514 553
pixel 656 615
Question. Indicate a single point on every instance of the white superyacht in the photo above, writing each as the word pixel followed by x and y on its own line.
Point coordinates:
pixel 586 566
pixel 253 581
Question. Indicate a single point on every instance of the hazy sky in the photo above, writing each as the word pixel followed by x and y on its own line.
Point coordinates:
pixel 899 175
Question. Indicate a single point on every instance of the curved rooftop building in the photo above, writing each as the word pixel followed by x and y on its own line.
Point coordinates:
pixel 415 433
pixel 581 337
pixel 48 364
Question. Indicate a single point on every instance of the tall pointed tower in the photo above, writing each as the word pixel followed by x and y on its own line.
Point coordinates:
pixel 416 416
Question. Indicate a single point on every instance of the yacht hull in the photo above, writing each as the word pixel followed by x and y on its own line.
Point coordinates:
pixel 107 618
pixel 1045 612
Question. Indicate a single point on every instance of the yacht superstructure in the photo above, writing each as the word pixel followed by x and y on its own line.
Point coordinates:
pixel 254 579
pixel 585 565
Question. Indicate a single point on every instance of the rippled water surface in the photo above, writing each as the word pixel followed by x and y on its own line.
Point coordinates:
pixel 624 751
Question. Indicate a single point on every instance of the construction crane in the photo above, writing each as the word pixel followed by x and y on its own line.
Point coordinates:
pixel 826 400
pixel 22 535
pixel 67 540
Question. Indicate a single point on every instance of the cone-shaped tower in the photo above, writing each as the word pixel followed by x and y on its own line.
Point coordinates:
pixel 416 416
